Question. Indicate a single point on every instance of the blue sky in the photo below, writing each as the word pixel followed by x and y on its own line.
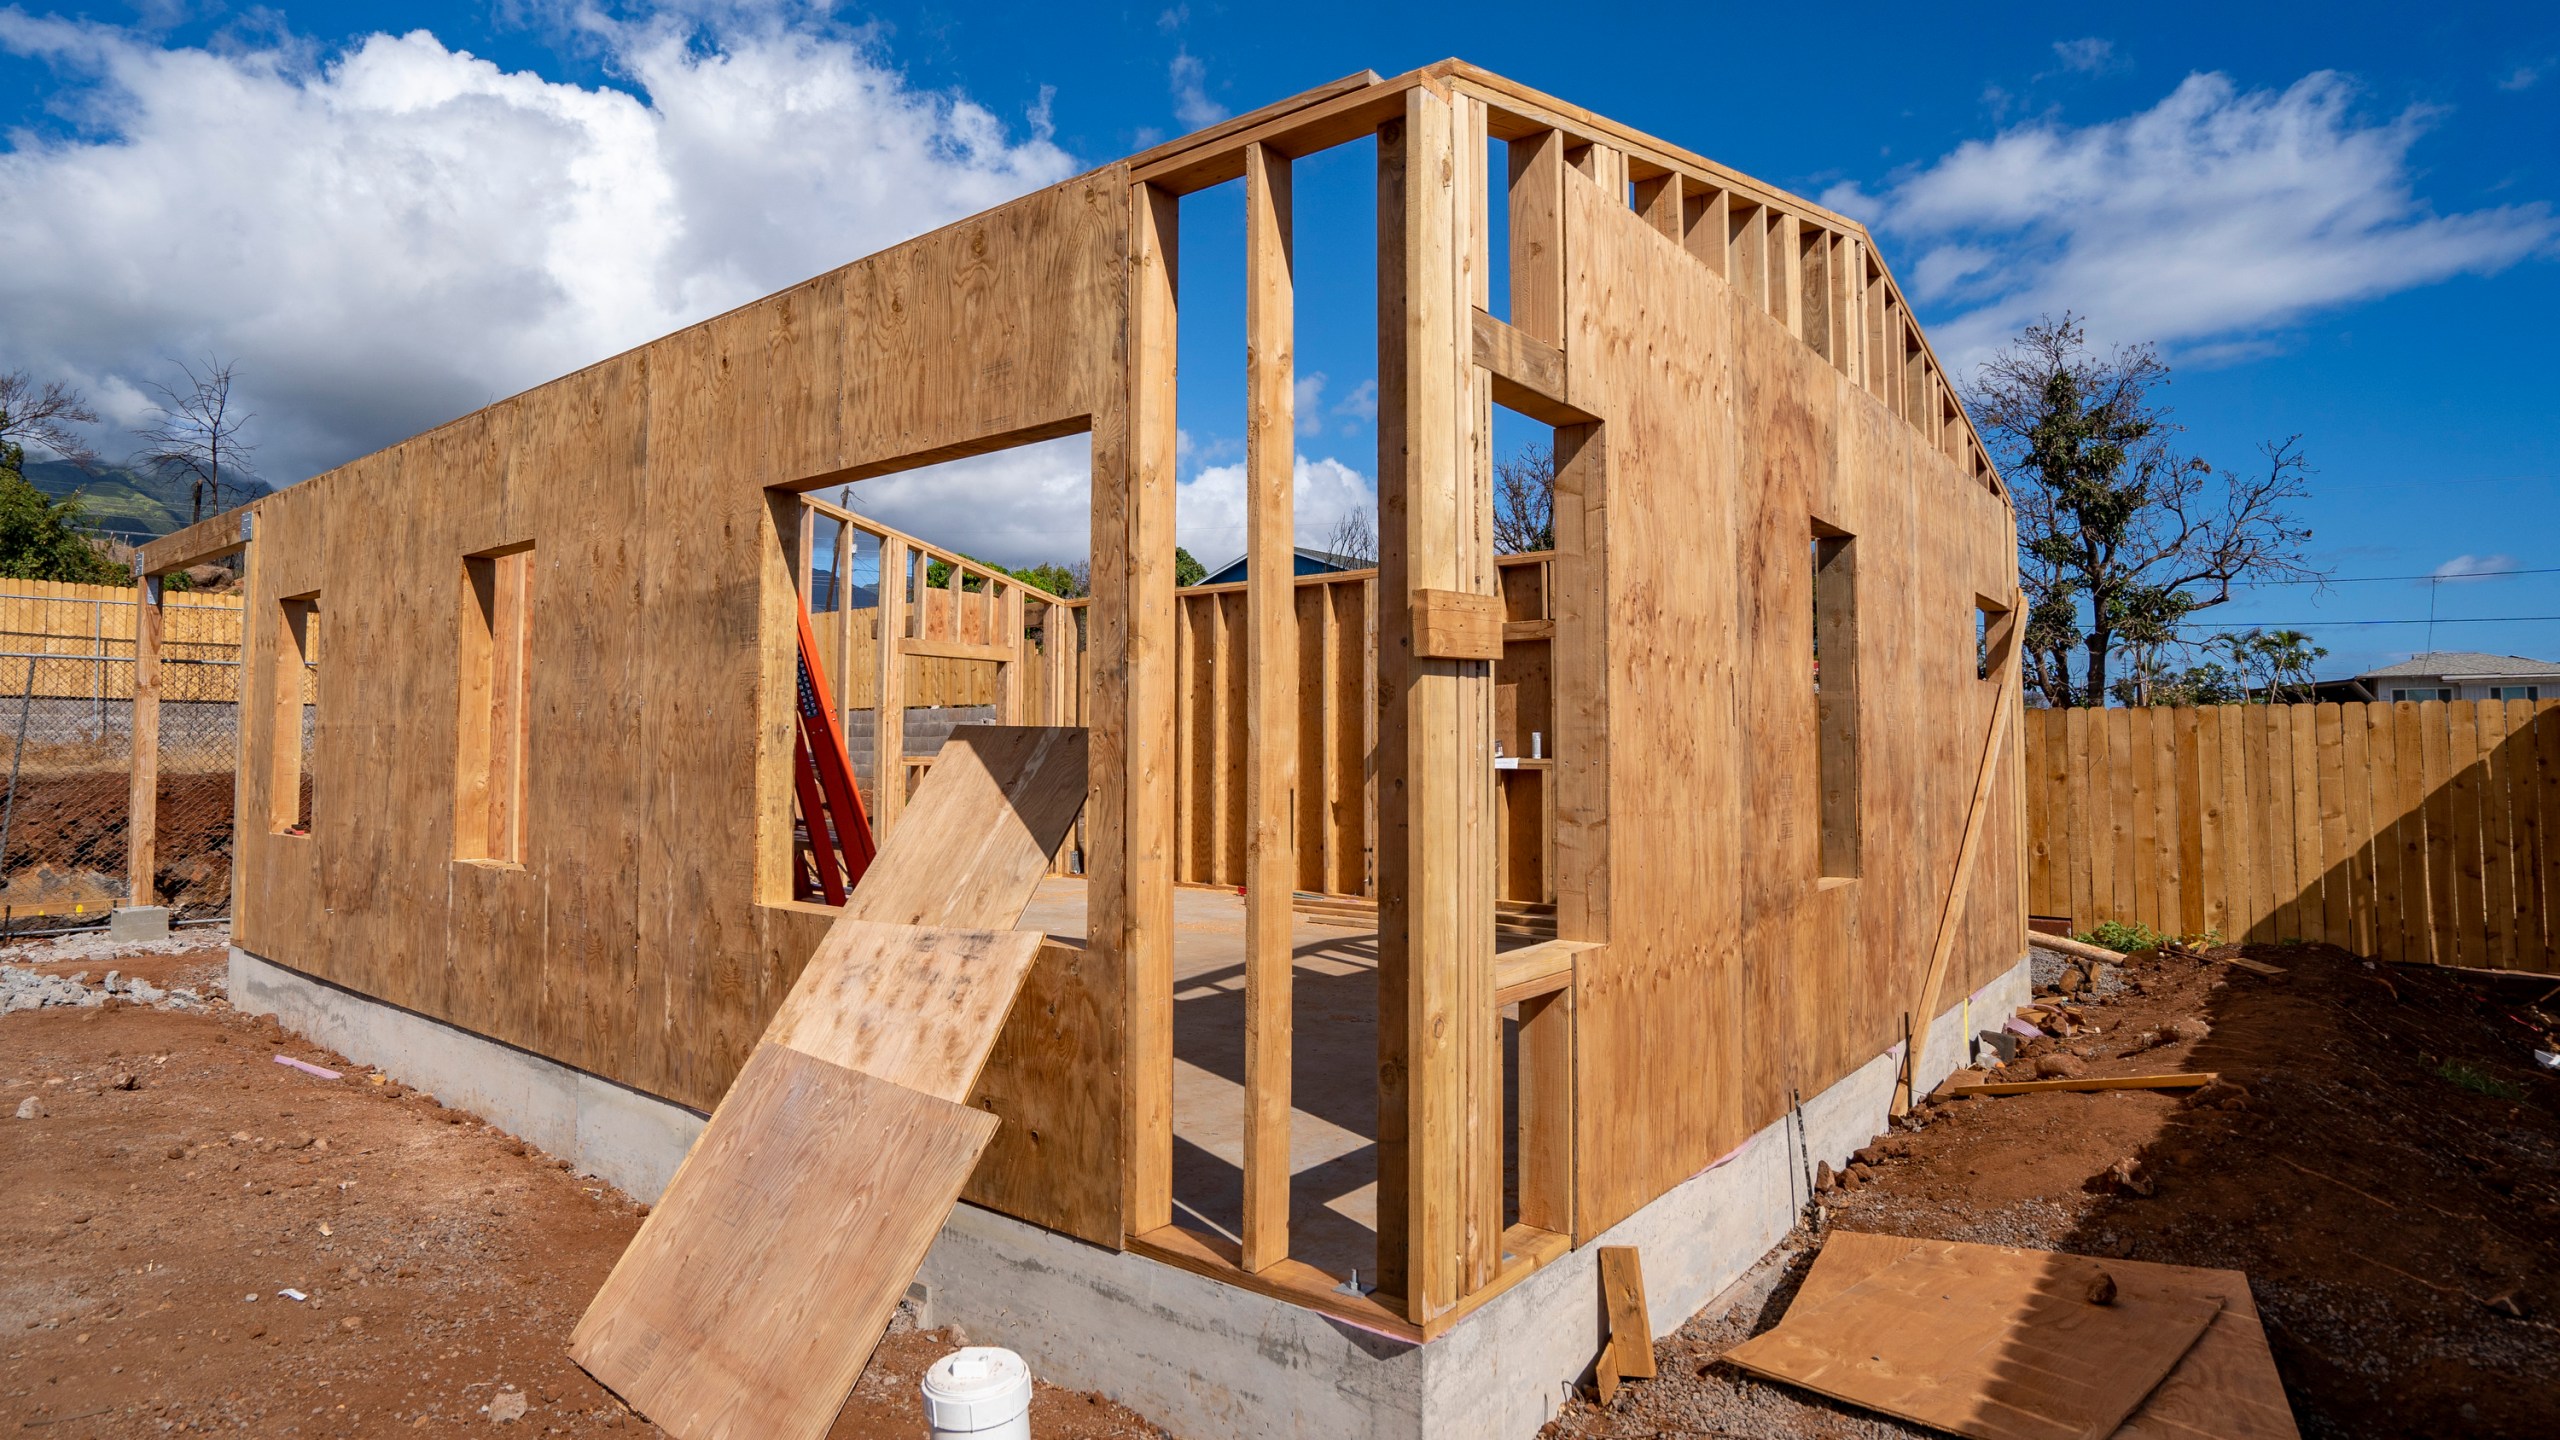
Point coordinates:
pixel 2341 228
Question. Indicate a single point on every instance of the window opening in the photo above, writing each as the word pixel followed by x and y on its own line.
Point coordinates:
pixel 495 678
pixel 297 715
pixel 1835 687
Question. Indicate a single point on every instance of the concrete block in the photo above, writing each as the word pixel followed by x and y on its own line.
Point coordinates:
pixel 139 922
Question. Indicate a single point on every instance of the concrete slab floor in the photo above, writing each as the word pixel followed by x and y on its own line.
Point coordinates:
pixel 1333 1127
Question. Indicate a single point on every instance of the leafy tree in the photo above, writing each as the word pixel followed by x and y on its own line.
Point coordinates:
pixel 40 539
pixel 1187 571
pixel 2121 537
pixel 43 540
pixel 198 432
pixel 1062 581
pixel 2274 665
pixel 1067 582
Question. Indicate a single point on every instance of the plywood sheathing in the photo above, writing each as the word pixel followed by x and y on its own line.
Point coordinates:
pixel 646 936
pixel 1733 976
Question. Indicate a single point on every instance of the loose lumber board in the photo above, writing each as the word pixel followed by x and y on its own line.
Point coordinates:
pixel 977 835
pixel 2226 1388
pixel 753 1295
pixel 2185 1081
pixel 1628 1355
pixel 1985 1341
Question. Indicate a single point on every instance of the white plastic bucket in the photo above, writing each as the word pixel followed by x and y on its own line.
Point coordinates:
pixel 980 1393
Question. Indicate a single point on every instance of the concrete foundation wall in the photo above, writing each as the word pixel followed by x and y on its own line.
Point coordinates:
pixel 1199 1357
pixel 620 1135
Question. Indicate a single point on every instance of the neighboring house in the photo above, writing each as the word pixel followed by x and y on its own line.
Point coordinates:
pixel 1310 562
pixel 2451 675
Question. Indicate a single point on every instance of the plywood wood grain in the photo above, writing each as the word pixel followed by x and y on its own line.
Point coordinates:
pixel 756 1290
pixel 1985 1341
pixel 976 837
pixel 917 1006
pixel 2226 1387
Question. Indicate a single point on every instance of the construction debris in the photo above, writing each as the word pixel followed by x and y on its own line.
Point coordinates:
pixel 2001 1343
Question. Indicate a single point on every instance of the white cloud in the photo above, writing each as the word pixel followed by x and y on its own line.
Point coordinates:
pixel 1034 505
pixel 388 235
pixel 2476 567
pixel 2088 55
pixel 1362 403
pixel 1209 508
pixel 1191 103
pixel 2523 77
pixel 2215 215
pixel 1029 506
pixel 1308 403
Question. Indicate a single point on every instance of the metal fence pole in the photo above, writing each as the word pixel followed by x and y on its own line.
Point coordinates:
pixel 9 811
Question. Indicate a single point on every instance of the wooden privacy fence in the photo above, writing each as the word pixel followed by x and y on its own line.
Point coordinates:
pixel 2410 831
pixel 81 637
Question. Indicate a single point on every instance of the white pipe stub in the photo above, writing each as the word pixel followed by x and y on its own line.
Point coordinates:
pixel 979 1393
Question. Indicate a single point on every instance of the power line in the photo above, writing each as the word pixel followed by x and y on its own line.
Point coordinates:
pixel 2372 579
pixel 2315 624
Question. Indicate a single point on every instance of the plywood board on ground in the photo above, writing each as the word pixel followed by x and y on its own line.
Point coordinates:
pixel 2226 1388
pixel 1985 1341
pixel 756 1291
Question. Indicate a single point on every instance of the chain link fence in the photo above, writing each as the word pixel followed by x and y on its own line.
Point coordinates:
pixel 66 718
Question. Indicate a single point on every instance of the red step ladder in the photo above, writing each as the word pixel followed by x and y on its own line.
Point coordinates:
pixel 839 846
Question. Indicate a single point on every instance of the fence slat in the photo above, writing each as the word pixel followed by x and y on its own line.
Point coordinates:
pixel 2497 840
pixel 2283 892
pixel 2460 850
pixel 2142 823
pixel 2330 736
pixel 2381 747
pixel 2190 794
pixel 2087 792
pixel 2524 778
pixel 2355 771
pixel 2548 805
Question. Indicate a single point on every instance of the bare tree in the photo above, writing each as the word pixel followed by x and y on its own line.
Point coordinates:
pixel 2121 537
pixel 1524 501
pixel 1354 539
pixel 197 433
pixel 43 414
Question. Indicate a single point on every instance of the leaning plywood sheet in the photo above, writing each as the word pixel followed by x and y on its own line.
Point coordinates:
pixel 1982 1340
pixel 752 1297
pixel 2226 1388
pixel 972 844
pixel 909 1004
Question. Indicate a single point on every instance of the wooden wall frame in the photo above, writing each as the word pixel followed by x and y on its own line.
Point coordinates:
pixel 1718 359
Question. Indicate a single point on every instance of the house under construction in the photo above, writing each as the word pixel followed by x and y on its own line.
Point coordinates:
pixel 1423 929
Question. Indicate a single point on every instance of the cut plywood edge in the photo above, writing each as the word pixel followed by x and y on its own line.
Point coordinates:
pixel 1986 1341
pixel 756 1291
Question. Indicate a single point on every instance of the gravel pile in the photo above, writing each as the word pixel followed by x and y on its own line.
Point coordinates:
pixel 27 990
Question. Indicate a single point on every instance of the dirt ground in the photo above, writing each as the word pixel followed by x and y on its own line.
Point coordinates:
pixel 2382 1160
pixel 67 837
pixel 148 1234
